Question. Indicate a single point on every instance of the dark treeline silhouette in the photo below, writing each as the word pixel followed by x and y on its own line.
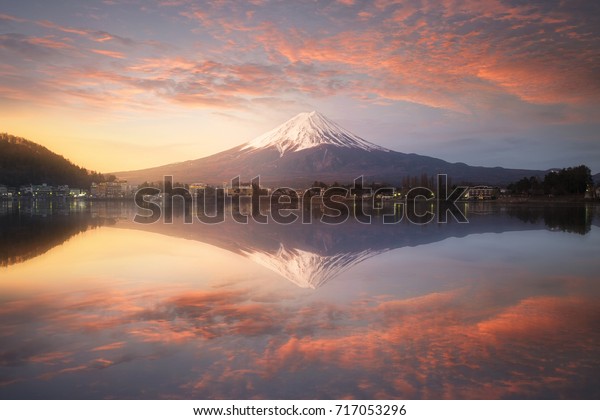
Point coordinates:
pixel 574 219
pixel 566 181
pixel 24 162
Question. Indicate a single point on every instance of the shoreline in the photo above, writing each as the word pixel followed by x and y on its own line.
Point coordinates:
pixel 516 200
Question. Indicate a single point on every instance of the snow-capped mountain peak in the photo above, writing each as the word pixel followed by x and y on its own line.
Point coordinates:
pixel 307 130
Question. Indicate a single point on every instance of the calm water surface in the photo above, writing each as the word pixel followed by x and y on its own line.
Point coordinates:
pixel 93 305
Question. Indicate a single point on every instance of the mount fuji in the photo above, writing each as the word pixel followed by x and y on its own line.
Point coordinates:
pixel 310 147
pixel 308 130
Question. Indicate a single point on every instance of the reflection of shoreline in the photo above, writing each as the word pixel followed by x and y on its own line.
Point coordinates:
pixel 572 219
pixel 27 231
pixel 309 255
pixel 40 236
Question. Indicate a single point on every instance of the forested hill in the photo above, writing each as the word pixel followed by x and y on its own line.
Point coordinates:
pixel 24 162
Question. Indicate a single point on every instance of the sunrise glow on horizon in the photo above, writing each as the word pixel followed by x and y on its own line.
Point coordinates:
pixel 120 85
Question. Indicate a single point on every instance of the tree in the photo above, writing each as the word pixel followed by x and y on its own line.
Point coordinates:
pixel 24 162
pixel 568 181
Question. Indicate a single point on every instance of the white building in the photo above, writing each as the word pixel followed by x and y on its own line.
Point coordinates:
pixel 481 192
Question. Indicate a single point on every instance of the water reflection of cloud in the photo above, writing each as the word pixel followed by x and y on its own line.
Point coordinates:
pixel 453 344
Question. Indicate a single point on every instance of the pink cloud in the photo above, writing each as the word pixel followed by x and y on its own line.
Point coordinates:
pixel 111 346
pixel 108 53
pixel 11 18
pixel 49 42
pixel 51 25
pixel 51 358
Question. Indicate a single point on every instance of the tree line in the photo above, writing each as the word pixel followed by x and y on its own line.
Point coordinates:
pixel 24 162
pixel 562 182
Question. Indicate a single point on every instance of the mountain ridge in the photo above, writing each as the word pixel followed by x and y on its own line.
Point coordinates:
pixel 309 147
pixel 25 162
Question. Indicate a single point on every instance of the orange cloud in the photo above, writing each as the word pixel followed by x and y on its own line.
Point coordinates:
pixel 51 358
pixel 108 53
pixel 111 346
pixel 4 16
pixel 49 42
pixel 544 82
pixel 52 25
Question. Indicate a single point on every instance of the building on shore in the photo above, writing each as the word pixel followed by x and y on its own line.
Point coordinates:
pixel 481 192
pixel 40 191
pixel 45 191
pixel 115 189
pixel 242 190
pixel 197 188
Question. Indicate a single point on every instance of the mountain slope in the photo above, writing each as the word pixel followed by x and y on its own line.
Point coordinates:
pixel 25 162
pixel 310 147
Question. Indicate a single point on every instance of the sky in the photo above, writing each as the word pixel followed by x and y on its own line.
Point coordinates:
pixel 117 85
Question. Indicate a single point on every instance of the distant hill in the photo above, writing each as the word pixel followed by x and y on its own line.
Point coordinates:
pixel 310 147
pixel 24 162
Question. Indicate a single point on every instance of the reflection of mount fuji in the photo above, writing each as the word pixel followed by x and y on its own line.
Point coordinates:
pixel 308 269
pixel 309 255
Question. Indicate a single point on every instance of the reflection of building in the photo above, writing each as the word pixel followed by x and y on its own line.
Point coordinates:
pixel 481 192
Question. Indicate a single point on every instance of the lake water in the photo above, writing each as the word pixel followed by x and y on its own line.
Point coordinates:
pixel 93 305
